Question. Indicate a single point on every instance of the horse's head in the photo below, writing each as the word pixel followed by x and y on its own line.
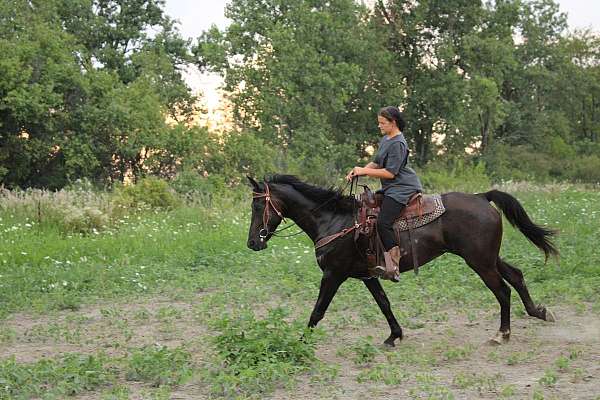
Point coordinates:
pixel 266 215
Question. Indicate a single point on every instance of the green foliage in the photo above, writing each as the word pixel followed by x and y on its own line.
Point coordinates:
pixel 160 365
pixel 68 211
pixel 255 354
pixel 585 169
pixel 365 351
pixel 385 373
pixel 85 91
pixel 72 375
pixel 303 84
pixel 483 383
pixel 244 154
pixel 196 258
pixel 524 163
pixel 457 175
pixel 549 378
pixel 484 91
pixel 151 192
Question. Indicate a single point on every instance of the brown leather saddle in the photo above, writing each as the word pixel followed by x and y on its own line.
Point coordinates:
pixel 370 206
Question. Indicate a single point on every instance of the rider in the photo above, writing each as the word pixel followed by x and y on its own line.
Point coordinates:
pixel 398 183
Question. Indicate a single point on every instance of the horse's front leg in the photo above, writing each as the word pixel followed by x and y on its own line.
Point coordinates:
pixel 329 286
pixel 378 293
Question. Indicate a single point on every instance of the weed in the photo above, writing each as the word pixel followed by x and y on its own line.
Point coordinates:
pixel 118 392
pixel 364 351
pixel 253 354
pixel 549 378
pixel 507 391
pixel 578 375
pixel 168 313
pixel 72 375
pixel 385 373
pixel 538 394
pixel 160 365
pixel 482 382
pixel 429 388
pixel 324 373
pixel 142 315
pixel 7 335
pixel 520 357
pixel 454 353
pixel 562 363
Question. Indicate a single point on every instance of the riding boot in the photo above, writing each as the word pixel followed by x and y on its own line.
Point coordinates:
pixel 392 268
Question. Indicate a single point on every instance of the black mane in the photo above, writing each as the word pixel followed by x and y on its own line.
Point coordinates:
pixel 332 196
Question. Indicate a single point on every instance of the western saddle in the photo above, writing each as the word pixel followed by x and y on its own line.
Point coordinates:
pixel 420 210
pixel 366 218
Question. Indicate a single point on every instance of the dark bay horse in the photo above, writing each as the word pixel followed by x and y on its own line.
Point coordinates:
pixel 470 228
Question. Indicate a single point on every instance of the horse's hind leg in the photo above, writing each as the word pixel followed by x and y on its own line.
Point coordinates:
pixel 488 272
pixel 514 276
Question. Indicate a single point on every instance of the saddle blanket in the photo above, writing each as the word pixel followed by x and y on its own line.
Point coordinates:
pixel 403 224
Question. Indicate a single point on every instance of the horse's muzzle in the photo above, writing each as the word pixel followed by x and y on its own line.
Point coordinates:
pixel 256 244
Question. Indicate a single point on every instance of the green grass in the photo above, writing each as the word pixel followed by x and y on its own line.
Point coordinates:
pixel 69 376
pixel 252 354
pixel 195 252
pixel 159 366
pixel 75 373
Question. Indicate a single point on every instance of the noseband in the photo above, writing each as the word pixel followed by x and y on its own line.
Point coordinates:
pixel 264 232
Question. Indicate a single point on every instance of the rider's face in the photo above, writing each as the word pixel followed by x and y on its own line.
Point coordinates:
pixel 385 126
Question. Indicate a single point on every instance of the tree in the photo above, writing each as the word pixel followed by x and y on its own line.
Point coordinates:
pixel 305 76
pixel 85 91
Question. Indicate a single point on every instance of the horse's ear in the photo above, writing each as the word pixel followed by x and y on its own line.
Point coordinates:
pixel 253 183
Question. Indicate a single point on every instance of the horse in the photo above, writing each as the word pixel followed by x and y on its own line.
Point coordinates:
pixel 470 228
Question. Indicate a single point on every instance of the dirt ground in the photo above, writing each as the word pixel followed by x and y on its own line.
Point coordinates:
pixel 446 359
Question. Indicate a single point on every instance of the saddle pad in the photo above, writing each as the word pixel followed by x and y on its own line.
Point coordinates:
pixel 402 224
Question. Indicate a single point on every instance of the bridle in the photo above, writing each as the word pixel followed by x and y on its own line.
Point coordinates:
pixel 264 232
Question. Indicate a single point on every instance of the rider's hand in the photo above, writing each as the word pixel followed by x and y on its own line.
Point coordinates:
pixel 356 171
pixel 350 175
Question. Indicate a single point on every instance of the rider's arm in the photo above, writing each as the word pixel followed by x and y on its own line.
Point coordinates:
pixel 372 165
pixel 377 173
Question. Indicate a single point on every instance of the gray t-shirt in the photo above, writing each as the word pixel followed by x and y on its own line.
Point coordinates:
pixel 392 155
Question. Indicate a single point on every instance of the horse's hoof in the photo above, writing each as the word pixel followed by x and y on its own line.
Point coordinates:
pixel 550 317
pixel 500 338
pixel 390 341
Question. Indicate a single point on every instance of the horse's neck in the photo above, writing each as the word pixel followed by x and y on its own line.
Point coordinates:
pixel 315 224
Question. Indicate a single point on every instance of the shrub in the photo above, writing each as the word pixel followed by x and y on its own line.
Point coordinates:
pixel 456 175
pixel 526 163
pixel 151 192
pixel 69 211
pixel 585 169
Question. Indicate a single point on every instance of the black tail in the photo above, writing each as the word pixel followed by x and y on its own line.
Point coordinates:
pixel 516 215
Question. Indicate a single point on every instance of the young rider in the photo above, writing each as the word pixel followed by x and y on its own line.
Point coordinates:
pixel 398 183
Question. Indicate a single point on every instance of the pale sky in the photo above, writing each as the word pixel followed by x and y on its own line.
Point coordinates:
pixel 196 16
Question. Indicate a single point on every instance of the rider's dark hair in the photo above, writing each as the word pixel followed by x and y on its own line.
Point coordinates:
pixel 392 113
